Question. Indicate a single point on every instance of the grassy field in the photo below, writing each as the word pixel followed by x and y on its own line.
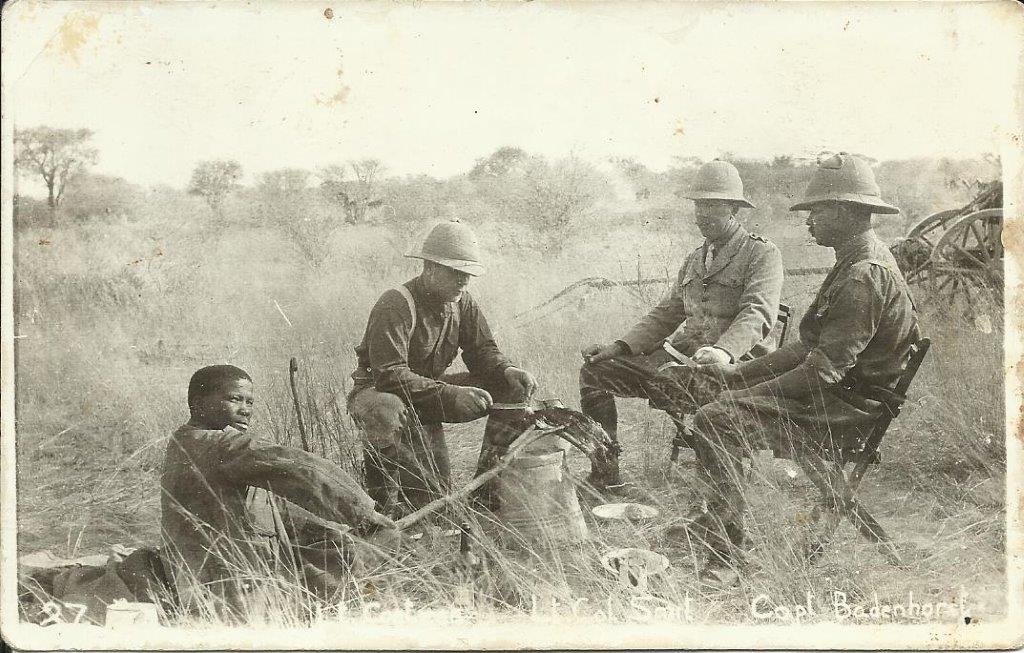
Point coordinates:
pixel 113 317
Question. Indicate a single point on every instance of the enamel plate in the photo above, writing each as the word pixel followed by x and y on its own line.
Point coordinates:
pixel 627 511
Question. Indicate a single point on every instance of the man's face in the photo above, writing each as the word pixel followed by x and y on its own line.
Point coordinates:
pixel 712 217
pixel 446 283
pixel 228 405
pixel 825 223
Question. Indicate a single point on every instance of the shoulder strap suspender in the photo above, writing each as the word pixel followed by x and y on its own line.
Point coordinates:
pixel 411 302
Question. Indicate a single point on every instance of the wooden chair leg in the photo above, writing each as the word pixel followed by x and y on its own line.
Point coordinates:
pixel 824 539
pixel 680 439
pixel 839 501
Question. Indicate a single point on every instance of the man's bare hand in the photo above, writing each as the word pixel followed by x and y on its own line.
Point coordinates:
pixel 524 382
pixel 712 356
pixel 598 353
pixel 472 402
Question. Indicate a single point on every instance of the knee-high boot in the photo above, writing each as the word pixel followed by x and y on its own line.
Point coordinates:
pixel 502 429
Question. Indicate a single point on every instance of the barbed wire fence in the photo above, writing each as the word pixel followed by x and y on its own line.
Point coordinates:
pixel 634 286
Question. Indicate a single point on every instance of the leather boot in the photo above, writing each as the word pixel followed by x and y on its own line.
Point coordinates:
pixel 603 476
pixel 502 429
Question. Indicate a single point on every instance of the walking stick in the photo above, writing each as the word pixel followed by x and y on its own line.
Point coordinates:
pixel 293 368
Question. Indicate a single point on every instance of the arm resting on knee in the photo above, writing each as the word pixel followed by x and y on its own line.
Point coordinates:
pixel 773 364
pixel 305 479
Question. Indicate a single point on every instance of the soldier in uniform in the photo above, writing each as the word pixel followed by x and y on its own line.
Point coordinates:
pixel 726 298
pixel 808 395
pixel 402 394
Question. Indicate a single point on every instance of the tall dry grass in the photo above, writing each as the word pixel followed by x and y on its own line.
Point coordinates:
pixel 112 319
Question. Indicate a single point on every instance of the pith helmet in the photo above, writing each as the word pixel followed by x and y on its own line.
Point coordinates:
pixel 453 245
pixel 844 178
pixel 718 180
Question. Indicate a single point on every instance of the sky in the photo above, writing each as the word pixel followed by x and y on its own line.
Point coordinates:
pixel 429 88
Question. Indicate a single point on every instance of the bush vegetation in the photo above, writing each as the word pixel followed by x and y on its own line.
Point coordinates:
pixel 124 291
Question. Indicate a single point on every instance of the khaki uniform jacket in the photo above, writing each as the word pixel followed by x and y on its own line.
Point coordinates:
pixel 732 304
pixel 862 323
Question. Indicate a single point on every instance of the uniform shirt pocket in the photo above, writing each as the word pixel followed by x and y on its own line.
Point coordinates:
pixel 729 281
pixel 689 289
pixel 824 303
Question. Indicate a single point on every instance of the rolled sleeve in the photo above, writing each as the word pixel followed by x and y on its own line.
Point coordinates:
pixel 758 305
pixel 849 321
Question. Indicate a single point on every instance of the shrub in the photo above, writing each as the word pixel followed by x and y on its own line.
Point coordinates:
pixel 91 196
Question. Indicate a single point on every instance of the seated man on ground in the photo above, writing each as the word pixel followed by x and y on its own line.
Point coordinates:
pixel 402 395
pixel 221 516
pixel 726 298
pixel 808 395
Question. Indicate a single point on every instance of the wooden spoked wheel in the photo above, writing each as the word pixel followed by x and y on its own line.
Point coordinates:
pixel 926 228
pixel 968 258
pixel 914 251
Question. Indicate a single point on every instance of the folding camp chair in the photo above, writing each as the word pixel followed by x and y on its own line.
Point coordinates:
pixel 785 312
pixel 783 318
pixel 839 491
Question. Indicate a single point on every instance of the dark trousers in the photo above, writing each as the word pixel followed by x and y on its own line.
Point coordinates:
pixel 726 432
pixel 634 376
pixel 419 461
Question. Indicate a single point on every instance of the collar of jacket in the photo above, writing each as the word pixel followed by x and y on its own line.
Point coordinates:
pixel 728 246
pixel 426 301
pixel 855 245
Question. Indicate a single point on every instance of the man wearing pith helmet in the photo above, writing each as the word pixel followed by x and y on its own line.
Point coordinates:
pixel 809 395
pixel 402 394
pixel 725 300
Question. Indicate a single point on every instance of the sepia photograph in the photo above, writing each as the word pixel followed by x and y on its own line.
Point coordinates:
pixel 511 325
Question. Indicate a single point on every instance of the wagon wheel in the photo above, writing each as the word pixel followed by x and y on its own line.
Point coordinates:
pixel 968 258
pixel 913 252
pixel 930 229
pixel 912 255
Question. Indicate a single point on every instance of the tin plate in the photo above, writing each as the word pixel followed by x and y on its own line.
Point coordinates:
pixel 625 511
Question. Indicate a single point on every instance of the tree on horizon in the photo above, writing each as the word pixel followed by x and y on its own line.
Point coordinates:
pixel 213 180
pixel 56 155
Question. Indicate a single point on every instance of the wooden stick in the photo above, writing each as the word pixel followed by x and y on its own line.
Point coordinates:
pixel 293 367
pixel 520 443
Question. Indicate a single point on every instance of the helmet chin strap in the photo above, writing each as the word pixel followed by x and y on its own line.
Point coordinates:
pixel 726 228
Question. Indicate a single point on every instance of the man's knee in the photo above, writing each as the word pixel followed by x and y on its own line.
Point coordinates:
pixel 381 415
pixel 601 379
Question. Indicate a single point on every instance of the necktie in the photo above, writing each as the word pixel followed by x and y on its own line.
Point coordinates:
pixel 709 256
